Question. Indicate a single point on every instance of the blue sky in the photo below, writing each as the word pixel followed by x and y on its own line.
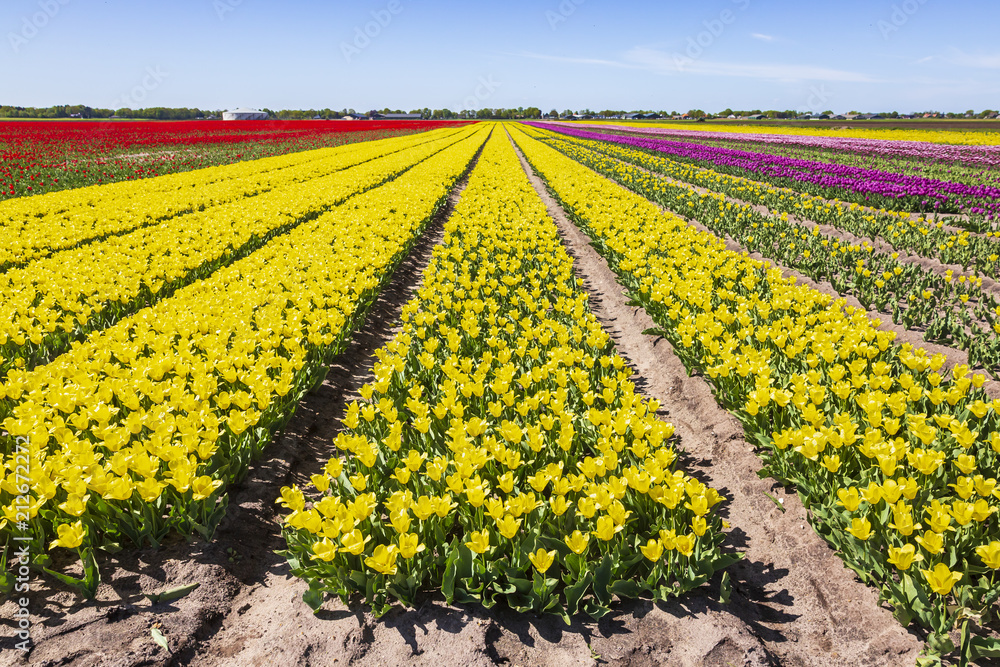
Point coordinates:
pixel 840 55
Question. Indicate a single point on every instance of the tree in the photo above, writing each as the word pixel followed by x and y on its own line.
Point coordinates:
pixel 532 112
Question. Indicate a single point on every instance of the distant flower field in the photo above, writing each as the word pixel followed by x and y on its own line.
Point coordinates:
pixel 158 332
pixel 45 156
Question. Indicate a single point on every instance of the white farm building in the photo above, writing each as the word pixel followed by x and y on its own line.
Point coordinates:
pixel 244 114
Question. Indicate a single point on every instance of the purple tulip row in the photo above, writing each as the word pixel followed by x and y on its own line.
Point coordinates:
pixel 870 186
pixel 987 156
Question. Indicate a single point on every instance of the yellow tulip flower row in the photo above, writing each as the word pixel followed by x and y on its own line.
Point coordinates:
pixel 501 414
pixel 922 235
pixel 957 137
pixel 137 430
pixel 34 227
pixel 53 300
pixel 879 443
pixel 914 295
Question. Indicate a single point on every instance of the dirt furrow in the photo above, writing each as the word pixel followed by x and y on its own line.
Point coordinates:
pixel 791 590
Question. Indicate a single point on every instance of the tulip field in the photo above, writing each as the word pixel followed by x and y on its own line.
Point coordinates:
pixel 158 334
pixel 40 157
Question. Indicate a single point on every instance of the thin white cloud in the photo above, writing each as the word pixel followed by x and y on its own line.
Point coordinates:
pixel 662 62
pixel 572 60
pixel 762 37
pixel 981 61
pixel 923 60
pixel 667 63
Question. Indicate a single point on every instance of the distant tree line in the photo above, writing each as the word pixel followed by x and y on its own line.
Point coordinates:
pixel 83 111
pixel 167 113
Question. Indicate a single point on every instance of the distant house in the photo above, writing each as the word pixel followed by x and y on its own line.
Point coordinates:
pixel 839 117
pixel 395 116
pixel 757 116
pixel 244 114
pixel 804 116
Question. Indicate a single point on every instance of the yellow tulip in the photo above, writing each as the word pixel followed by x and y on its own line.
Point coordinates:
pixel 354 542
pixel 383 559
pixel 292 498
pixel 424 508
pixel 75 504
pixel 685 544
pixel 652 550
pixel 479 542
pixel 320 482
pixel 606 528
pixel 400 521
pixel 410 545
pixel 508 526
pixel 149 489
pixel 70 535
pixel 359 481
pixel 990 553
pixel 903 557
pixel 860 528
pixel 204 486
pixel 577 542
pixel 850 499
pixel 542 559
pixel 334 467
pixel 324 549
pixel 941 579
pixel 559 505
pixel 414 460
pixel 932 542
